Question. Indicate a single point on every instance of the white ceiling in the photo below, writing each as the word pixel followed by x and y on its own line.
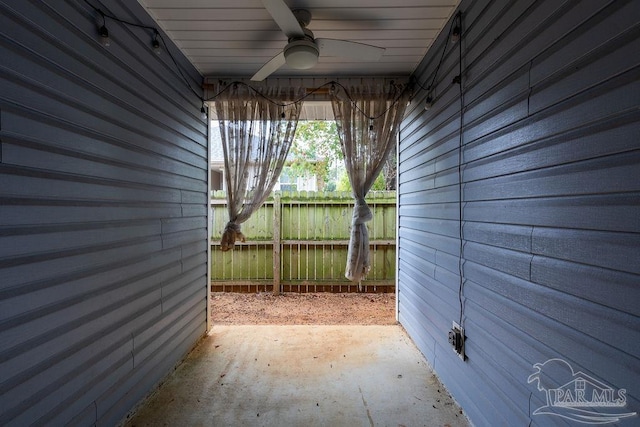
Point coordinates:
pixel 234 38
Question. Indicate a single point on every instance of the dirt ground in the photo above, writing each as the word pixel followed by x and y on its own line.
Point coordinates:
pixel 303 309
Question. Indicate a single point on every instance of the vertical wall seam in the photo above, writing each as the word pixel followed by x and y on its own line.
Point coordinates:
pixel 162 297
pixel 133 351
pixel 530 89
pixel 531 252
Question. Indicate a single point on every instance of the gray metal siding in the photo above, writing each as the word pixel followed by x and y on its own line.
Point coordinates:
pixel 103 204
pixel 550 203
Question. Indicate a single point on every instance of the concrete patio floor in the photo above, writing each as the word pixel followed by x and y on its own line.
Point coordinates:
pixel 302 376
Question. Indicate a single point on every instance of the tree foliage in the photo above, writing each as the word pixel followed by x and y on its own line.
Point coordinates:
pixel 315 151
pixel 344 185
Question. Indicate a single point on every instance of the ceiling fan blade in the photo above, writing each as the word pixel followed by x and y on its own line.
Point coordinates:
pixel 347 49
pixel 270 67
pixel 283 16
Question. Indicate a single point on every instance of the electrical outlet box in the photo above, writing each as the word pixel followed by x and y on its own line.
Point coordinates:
pixel 456 339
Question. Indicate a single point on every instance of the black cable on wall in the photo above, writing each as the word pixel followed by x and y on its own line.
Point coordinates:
pixel 458 79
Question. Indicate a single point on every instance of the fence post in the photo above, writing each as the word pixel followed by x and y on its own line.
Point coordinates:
pixel 276 243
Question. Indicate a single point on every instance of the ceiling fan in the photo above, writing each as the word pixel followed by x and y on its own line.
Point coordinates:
pixel 302 50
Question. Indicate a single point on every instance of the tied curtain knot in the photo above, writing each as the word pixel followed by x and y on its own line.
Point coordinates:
pixel 361 212
pixel 358 251
pixel 230 235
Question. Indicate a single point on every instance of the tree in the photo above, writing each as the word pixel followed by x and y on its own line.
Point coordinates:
pixel 315 151
pixel 344 185
pixel 389 170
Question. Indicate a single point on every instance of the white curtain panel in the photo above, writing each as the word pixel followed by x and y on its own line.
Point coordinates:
pixel 368 118
pixel 257 127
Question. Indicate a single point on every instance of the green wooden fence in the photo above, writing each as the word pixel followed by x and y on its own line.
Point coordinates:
pixel 308 250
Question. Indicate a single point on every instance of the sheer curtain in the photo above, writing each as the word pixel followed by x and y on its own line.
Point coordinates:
pixel 257 131
pixel 367 119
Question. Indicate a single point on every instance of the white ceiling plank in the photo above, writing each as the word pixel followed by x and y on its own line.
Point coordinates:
pixel 316 25
pixel 243 4
pixel 274 35
pixel 212 14
pixel 203 54
pixel 195 45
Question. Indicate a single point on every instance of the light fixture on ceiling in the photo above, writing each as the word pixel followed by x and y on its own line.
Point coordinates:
pixel 103 32
pixel 104 36
pixel 301 54
pixel 457 29
pixel 428 103
pixel 155 43
pixel 455 34
pixel 303 49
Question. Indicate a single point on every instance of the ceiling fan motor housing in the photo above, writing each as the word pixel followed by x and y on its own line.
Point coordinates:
pixel 301 54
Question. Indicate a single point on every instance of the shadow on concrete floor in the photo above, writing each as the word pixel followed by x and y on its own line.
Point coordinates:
pixel 302 376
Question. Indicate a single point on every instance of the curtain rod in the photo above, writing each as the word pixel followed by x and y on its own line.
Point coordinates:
pixel 316 89
pixel 308 82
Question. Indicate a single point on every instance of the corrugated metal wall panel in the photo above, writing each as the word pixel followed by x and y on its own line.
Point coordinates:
pixel 550 203
pixel 103 205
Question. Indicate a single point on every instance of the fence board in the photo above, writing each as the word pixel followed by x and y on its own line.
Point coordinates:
pixel 311 250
